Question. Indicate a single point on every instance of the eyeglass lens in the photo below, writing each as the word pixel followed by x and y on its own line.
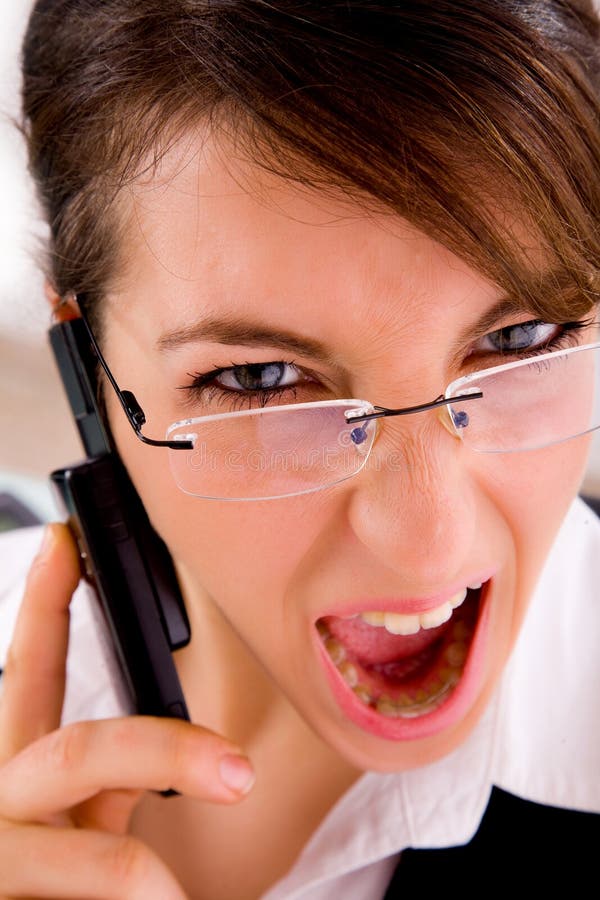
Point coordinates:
pixel 271 452
pixel 531 406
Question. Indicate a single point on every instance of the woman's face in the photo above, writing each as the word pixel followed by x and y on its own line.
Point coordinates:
pixel 397 317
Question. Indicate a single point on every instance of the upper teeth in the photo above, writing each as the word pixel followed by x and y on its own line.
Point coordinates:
pixel 398 623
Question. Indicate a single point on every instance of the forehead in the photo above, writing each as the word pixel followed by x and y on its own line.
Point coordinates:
pixel 209 229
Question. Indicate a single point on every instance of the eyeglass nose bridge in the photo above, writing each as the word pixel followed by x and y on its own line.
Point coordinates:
pixel 459 420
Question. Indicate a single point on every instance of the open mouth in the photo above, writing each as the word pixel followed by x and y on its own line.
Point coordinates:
pixel 402 667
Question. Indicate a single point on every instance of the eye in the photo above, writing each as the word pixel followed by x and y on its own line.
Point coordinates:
pixel 523 336
pixel 258 376
pixel 248 384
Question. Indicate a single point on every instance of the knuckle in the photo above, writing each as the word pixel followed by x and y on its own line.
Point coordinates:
pixel 130 864
pixel 179 754
pixel 66 748
pixel 11 664
pixel 22 661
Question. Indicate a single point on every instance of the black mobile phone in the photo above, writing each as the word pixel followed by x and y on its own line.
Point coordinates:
pixel 122 555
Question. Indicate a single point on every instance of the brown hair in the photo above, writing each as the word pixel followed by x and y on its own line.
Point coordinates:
pixel 455 115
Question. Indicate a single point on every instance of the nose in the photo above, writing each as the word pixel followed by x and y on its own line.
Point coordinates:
pixel 413 506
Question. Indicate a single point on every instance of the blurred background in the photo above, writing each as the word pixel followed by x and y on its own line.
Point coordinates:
pixel 36 434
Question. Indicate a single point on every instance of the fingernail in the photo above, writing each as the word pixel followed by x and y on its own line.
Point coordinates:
pixel 236 773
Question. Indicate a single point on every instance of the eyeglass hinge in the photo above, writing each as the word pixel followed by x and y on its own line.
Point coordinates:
pixel 134 411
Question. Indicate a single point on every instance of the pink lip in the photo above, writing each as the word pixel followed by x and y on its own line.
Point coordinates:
pixel 447 714
pixel 404 605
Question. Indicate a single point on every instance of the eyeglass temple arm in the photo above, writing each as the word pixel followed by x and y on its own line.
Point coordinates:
pixel 132 409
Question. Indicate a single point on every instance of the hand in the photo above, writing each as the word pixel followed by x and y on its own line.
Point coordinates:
pixel 67 794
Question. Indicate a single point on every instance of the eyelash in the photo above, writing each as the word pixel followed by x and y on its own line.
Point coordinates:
pixel 565 339
pixel 201 388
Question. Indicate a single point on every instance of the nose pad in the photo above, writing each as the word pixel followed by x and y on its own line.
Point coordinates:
pixel 444 414
pixel 363 436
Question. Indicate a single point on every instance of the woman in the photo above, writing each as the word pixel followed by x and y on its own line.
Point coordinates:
pixel 267 205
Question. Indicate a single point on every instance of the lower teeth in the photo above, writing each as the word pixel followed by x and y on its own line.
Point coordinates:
pixel 412 702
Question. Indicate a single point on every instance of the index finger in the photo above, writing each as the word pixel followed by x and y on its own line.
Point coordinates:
pixel 33 682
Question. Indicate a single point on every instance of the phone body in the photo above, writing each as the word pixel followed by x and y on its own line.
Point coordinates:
pixel 122 556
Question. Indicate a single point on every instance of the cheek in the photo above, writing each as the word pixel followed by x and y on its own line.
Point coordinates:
pixel 532 493
pixel 241 549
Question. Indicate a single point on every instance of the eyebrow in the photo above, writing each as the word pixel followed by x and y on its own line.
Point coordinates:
pixel 244 332
pixel 248 333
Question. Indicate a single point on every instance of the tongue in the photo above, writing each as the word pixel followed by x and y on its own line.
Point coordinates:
pixel 372 645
